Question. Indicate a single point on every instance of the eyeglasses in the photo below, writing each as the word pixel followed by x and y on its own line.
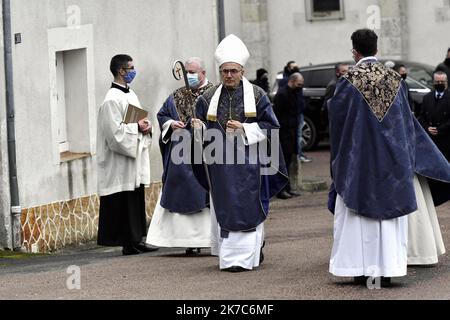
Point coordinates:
pixel 232 71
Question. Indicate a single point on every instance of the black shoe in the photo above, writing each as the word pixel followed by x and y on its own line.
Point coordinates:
pixel 193 251
pixel 385 282
pixel 130 250
pixel 261 254
pixel 294 194
pixel 284 195
pixel 362 280
pixel 235 269
pixel 143 247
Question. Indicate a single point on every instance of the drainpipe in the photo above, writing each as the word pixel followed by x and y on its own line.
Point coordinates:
pixel 10 114
pixel 221 20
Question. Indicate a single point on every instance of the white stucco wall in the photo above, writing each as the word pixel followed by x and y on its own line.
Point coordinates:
pixel 233 17
pixel 428 23
pixel 153 32
pixel 410 29
pixel 294 38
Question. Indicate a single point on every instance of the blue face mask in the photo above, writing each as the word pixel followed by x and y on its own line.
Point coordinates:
pixel 130 76
pixel 194 81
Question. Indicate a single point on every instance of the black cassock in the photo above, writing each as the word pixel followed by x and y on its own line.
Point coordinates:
pixel 122 219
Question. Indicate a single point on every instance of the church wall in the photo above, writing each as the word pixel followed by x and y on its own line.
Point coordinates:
pixel 314 42
pixel 428 22
pixel 408 29
pixel 285 34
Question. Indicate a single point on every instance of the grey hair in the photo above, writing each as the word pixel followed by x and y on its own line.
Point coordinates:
pixel 389 64
pixel 339 64
pixel 295 76
pixel 196 60
pixel 440 73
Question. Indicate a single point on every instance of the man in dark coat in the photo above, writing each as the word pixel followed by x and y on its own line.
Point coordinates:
pixel 445 66
pixel 340 69
pixel 262 79
pixel 287 109
pixel 403 72
pixel 290 68
pixel 435 119
pixel 435 113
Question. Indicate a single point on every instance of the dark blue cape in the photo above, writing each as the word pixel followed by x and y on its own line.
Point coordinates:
pixel 240 193
pixel 181 192
pixel 377 146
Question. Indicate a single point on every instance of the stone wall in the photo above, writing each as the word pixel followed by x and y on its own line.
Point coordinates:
pixel 54 226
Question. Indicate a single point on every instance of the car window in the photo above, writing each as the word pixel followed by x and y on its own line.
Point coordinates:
pixel 307 76
pixel 413 84
pixel 318 78
pixel 421 75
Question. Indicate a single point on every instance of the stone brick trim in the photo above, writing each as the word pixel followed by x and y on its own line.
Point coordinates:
pixel 54 226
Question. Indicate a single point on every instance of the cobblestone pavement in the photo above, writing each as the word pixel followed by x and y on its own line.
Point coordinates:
pixel 299 239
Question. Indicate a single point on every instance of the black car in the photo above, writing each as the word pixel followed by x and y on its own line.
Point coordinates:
pixel 317 77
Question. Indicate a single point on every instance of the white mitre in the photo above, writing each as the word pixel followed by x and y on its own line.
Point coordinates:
pixel 232 49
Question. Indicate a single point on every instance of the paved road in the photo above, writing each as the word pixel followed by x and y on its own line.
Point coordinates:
pixel 299 240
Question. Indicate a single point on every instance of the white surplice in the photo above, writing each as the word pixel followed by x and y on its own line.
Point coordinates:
pixel 377 248
pixel 368 247
pixel 123 158
pixel 425 242
pixel 175 230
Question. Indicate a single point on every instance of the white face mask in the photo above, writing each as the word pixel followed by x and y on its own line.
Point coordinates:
pixel 194 81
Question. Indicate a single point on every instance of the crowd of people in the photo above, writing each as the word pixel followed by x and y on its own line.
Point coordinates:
pixel 389 169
